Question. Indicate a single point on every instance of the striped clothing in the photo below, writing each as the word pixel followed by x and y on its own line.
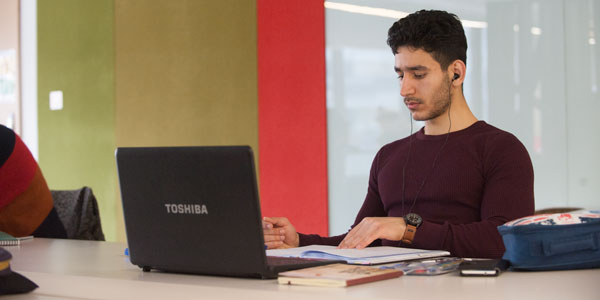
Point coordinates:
pixel 25 200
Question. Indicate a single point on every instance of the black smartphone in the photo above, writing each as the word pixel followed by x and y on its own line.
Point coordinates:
pixel 483 267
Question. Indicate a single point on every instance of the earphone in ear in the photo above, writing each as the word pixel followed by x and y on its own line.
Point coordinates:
pixel 456 76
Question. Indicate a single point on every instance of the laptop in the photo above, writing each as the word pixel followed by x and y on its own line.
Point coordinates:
pixel 196 210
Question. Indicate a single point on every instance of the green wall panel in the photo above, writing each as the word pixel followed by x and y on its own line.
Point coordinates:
pixel 76 56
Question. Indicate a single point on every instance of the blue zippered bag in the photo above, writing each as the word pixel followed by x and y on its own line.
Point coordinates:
pixel 553 241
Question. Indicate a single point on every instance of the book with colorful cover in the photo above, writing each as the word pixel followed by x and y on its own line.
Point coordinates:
pixel 336 275
pixel 9 240
pixel 427 267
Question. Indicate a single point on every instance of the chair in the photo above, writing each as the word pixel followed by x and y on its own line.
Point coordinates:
pixel 78 211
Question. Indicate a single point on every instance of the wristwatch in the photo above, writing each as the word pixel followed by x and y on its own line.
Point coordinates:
pixel 413 221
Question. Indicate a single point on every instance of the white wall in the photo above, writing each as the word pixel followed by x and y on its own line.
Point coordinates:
pixel 532 71
pixel 582 101
pixel 28 38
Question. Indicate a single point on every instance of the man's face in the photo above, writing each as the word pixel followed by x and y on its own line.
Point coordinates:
pixel 423 84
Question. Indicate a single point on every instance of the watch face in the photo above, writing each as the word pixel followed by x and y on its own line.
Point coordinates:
pixel 413 219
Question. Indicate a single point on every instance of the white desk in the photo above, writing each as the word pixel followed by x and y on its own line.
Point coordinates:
pixel 68 269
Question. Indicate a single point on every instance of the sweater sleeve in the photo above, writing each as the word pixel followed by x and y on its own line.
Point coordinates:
pixel 507 195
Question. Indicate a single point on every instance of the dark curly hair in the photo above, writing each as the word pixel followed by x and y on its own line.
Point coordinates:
pixel 437 32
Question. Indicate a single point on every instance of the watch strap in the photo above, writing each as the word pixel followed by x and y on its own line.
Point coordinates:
pixel 409 234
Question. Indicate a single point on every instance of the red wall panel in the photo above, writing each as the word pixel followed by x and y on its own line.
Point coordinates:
pixel 292 112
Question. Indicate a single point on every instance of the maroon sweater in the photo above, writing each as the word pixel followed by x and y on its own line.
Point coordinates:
pixel 482 179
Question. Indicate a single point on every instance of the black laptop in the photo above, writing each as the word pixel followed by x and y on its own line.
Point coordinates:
pixel 196 210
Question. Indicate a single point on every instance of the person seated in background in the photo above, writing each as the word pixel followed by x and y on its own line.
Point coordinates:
pixel 449 185
pixel 26 205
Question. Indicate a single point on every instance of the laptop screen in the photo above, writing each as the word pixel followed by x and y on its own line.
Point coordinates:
pixel 192 209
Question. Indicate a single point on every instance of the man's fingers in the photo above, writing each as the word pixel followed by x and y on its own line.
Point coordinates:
pixel 275 234
pixel 346 241
pixel 267 225
pixel 273 237
pixel 357 242
pixel 358 235
pixel 274 231
pixel 276 221
pixel 349 240
pixel 273 244
pixel 364 242
pixel 282 229
pixel 361 236
pixel 270 237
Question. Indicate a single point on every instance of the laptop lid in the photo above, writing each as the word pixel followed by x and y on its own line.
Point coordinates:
pixel 192 210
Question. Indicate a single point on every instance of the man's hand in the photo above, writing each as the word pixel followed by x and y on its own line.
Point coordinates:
pixel 279 233
pixel 370 229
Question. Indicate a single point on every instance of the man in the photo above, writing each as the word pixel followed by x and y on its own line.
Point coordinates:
pixel 447 186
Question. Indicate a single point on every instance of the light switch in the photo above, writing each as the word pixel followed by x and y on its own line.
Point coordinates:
pixel 56 100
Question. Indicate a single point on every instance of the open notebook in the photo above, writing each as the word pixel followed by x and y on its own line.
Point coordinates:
pixel 366 256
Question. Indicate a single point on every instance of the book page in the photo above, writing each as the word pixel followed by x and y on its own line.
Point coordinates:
pixel 369 255
pixel 297 252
